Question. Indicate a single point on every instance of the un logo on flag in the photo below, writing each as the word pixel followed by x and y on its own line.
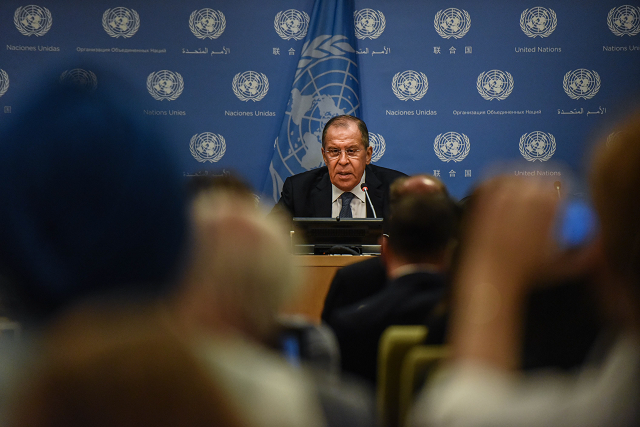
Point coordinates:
pixel 291 24
pixel 495 84
pixel 207 147
pixel 83 78
pixel 538 21
pixel 165 84
pixel 250 85
pixel 378 144
pixel 120 22
pixel 323 88
pixel 369 23
pixel 32 20
pixel 624 20
pixel 451 146
pixel 207 23
pixel 581 83
pixel 4 82
pixel 452 22
pixel 537 146
pixel 409 84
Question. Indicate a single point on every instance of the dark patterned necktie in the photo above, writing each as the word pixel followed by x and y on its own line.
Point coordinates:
pixel 345 211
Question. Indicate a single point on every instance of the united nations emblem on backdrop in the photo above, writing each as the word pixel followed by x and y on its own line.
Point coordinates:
pixel 624 20
pixel 452 22
pixel 451 146
pixel 4 82
pixel 537 146
pixel 376 141
pixel 165 84
pixel 538 22
pixel 83 78
pixel 121 22
pixel 323 87
pixel 369 23
pixel 291 24
pixel 32 20
pixel 207 147
pixel 495 84
pixel 581 83
pixel 207 23
pixel 409 84
pixel 250 86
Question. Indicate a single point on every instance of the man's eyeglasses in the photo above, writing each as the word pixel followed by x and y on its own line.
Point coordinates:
pixel 334 153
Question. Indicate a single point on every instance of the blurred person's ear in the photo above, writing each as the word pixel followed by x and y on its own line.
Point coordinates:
pixel 383 241
pixel 449 254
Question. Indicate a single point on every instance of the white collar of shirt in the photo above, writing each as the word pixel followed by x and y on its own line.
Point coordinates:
pixel 358 204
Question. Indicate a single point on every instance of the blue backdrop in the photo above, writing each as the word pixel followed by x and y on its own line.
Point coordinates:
pixel 456 89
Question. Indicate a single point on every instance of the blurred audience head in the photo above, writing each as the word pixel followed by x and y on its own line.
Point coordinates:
pixel 423 220
pixel 241 271
pixel 415 184
pixel 124 367
pixel 422 226
pixel 205 183
pixel 92 199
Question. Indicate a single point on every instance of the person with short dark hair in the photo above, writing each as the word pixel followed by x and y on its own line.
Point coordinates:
pixel 363 279
pixel 416 253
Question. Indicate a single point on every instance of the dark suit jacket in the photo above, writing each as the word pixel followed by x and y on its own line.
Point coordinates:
pixel 308 194
pixel 353 283
pixel 407 300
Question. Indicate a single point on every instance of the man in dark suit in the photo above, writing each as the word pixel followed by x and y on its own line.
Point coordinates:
pixel 421 230
pixel 347 155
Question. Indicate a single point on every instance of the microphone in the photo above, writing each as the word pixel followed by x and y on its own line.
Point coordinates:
pixel 557 187
pixel 366 193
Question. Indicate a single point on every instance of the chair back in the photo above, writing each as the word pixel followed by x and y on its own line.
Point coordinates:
pixel 417 366
pixel 395 343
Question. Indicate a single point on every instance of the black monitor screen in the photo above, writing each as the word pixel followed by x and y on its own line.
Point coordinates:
pixel 334 231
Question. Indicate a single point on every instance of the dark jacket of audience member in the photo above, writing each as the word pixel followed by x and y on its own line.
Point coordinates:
pixel 363 279
pixel 354 283
pixel 420 230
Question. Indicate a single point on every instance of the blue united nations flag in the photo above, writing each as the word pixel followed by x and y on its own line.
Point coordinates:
pixel 325 85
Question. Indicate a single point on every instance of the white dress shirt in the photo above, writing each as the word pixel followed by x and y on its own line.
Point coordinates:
pixel 358 203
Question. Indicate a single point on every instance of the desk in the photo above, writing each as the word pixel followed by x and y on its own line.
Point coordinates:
pixel 318 272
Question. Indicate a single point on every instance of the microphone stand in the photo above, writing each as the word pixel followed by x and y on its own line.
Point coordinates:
pixel 366 193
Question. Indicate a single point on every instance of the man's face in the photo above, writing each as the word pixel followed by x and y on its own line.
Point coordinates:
pixel 345 172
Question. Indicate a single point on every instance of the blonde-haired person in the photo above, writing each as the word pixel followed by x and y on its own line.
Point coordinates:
pixel 239 274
